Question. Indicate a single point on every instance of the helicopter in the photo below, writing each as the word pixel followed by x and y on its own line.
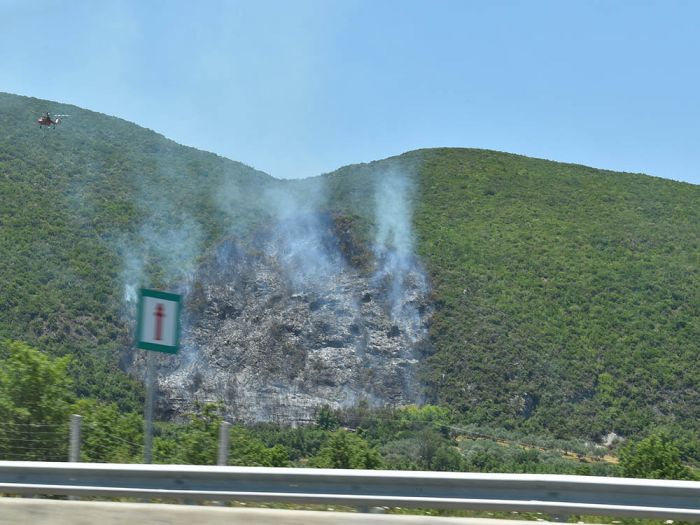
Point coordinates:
pixel 47 121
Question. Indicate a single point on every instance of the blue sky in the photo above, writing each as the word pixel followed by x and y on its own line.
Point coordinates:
pixel 299 88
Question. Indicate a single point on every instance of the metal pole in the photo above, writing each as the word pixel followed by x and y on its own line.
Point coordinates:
pixel 74 451
pixel 148 431
pixel 222 458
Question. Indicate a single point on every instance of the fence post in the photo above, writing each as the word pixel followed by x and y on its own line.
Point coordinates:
pixel 74 451
pixel 222 457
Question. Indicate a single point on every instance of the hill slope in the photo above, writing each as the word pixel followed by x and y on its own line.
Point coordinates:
pixel 91 207
pixel 566 298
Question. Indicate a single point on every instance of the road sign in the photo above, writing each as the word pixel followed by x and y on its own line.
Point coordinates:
pixel 158 321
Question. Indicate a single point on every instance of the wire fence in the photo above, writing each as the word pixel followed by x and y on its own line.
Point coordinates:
pixel 99 442
pixel 34 441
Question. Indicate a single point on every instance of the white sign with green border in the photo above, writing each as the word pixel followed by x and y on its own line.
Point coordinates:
pixel 158 321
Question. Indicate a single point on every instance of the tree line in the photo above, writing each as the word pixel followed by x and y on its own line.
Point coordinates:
pixel 37 398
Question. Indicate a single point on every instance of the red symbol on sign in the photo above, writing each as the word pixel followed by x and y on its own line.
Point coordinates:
pixel 159 313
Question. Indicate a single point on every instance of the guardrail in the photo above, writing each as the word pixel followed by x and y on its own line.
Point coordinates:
pixel 553 494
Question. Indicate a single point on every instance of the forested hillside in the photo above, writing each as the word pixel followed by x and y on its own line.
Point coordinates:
pixel 565 298
pixel 88 206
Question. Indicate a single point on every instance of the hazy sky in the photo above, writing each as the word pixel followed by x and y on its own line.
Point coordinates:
pixel 298 88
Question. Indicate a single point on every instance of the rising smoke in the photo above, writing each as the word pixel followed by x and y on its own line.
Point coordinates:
pixel 160 254
pixel 163 252
pixel 301 240
pixel 398 269
pixel 286 291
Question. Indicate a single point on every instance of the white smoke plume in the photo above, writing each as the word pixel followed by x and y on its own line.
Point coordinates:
pixel 398 269
pixel 300 241
pixel 161 254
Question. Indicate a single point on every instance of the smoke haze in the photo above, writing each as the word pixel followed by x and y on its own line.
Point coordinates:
pixel 397 266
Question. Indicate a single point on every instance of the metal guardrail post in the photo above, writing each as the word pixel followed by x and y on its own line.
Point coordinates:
pixel 74 450
pixel 224 435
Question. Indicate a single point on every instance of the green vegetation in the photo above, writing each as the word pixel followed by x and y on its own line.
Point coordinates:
pixel 35 400
pixel 567 299
pixel 346 450
pixel 656 457
pixel 77 204
pixel 570 297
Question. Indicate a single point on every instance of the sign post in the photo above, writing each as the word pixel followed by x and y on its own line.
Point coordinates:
pixel 157 330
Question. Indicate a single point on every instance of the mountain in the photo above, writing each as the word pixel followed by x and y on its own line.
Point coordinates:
pixel 78 205
pixel 533 294
pixel 566 298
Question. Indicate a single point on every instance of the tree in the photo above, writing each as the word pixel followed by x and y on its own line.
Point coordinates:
pixel 326 419
pixel 346 450
pixel 248 450
pixel 194 443
pixel 655 457
pixel 447 459
pixel 109 435
pixel 35 402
